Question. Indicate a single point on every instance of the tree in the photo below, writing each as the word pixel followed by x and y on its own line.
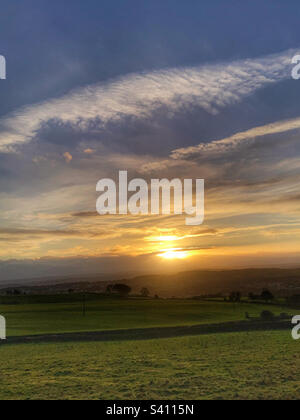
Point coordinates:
pixel 145 292
pixel 13 292
pixel 267 296
pixel 109 289
pixel 235 297
pixel 121 289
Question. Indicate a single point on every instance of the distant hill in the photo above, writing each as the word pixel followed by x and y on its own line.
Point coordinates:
pixel 54 280
pixel 282 282
pixel 193 283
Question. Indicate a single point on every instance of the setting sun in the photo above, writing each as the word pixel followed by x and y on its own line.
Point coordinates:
pixel 174 255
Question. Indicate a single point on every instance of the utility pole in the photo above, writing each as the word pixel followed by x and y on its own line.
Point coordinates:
pixel 84 305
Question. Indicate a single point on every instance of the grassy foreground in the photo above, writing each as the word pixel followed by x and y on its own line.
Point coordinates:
pixel 111 314
pixel 262 365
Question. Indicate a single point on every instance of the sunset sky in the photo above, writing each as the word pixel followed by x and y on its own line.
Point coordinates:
pixel 162 89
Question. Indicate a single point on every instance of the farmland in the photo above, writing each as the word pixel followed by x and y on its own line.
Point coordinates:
pixel 257 365
pixel 64 313
pixel 182 365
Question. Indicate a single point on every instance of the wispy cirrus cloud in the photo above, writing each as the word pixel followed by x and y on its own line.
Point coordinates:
pixel 229 143
pixel 210 150
pixel 139 95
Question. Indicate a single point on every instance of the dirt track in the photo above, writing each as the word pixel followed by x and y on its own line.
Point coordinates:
pixel 152 333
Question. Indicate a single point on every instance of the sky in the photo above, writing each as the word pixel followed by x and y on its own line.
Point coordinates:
pixel 162 90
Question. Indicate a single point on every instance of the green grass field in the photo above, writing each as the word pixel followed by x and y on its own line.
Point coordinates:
pixel 111 314
pixel 241 365
pixel 264 365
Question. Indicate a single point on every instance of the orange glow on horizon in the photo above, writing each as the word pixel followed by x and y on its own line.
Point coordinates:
pixel 174 254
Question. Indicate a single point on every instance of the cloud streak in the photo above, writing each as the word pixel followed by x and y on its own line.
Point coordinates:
pixel 229 143
pixel 139 95
pixel 179 157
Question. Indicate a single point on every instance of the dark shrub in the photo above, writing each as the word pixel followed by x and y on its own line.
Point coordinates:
pixel 235 297
pixel 267 296
pixel 145 292
pixel 121 289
